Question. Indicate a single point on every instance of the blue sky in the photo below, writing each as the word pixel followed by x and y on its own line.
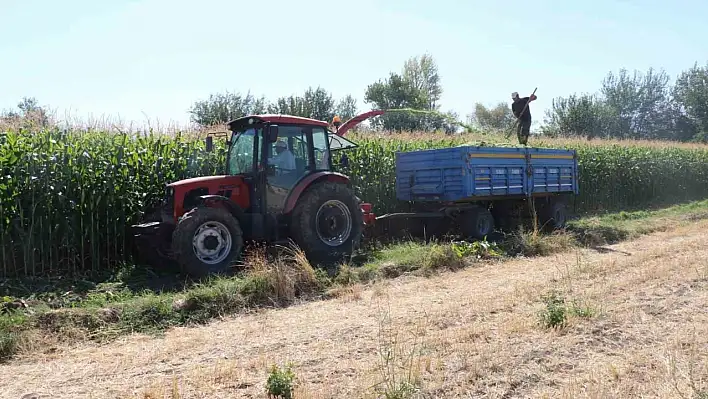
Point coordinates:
pixel 139 59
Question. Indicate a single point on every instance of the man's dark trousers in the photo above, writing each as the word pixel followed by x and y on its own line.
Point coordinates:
pixel 523 130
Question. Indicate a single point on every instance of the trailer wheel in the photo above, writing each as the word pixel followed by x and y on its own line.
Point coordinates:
pixel 327 222
pixel 207 241
pixel 554 215
pixel 477 223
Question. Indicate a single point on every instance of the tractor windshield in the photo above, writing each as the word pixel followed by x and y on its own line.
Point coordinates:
pixel 241 155
pixel 337 142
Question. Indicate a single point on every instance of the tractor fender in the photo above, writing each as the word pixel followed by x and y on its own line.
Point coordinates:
pixel 308 181
pixel 230 205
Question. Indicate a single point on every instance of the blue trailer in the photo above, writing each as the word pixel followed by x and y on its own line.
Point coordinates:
pixel 479 188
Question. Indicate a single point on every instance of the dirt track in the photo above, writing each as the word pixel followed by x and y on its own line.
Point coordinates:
pixel 476 336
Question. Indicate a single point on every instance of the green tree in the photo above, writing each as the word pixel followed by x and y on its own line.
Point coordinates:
pixel 691 95
pixel 224 107
pixel 422 73
pixel 320 104
pixel 316 104
pixel 347 108
pixel 395 93
pixel 417 88
pixel 30 114
pixel 586 115
pixel 498 117
pixel 641 101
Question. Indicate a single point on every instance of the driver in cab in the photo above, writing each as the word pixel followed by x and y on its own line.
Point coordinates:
pixel 284 160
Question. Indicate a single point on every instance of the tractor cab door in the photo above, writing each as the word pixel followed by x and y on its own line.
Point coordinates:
pixel 297 153
pixel 242 159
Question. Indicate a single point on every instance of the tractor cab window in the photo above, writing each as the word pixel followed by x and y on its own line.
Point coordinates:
pixel 326 145
pixel 288 158
pixel 288 155
pixel 319 142
pixel 241 152
pixel 337 142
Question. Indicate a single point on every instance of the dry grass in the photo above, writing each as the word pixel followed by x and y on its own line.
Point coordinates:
pixel 473 332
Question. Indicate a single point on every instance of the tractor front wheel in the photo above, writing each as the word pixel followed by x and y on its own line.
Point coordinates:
pixel 207 241
pixel 327 222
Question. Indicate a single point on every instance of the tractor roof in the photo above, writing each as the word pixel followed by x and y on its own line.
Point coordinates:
pixel 274 118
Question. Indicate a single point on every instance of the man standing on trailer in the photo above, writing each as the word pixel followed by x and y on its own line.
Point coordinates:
pixel 522 112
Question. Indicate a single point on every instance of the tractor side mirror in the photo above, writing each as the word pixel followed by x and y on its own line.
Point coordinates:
pixel 209 141
pixel 272 133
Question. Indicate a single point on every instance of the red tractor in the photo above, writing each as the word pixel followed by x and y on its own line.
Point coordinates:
pixel 279 185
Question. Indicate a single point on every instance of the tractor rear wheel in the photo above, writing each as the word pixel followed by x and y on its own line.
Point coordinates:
pixel 327 222
pixel 207 241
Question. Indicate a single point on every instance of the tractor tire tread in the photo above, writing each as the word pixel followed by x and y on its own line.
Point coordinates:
pixel 184 233
pixel 303 223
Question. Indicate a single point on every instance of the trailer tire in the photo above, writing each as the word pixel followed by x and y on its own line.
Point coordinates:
pixel 216 225
pixel 477 223
pixel 313 227
pixel 554 215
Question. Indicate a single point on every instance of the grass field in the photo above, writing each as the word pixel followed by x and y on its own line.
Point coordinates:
pixel 38 314
pixel 66 198
pixel 624 320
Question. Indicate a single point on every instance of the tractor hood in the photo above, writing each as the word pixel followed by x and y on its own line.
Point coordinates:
pixel 217 182
pixel 198 180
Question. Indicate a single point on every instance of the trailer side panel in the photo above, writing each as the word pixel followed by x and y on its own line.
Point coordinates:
pixel 469 173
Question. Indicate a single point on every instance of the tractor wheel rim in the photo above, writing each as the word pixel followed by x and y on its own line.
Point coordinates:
pixel 333 223
pixel 212 242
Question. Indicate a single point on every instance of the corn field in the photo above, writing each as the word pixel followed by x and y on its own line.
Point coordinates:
pixel 67 198
pixel 612 176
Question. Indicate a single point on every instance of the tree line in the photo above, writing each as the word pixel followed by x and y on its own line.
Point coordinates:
pixel 636 105
pixel 417 87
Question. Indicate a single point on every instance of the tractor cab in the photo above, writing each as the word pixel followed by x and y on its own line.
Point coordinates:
pixel 276 154
pixel 286 148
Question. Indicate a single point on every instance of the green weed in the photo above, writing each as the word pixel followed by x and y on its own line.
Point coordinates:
pixel 555 314
pixel 280 382
pixel 477 249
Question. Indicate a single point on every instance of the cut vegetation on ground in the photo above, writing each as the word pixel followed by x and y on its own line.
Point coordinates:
pixel 42 316
pixel 626 320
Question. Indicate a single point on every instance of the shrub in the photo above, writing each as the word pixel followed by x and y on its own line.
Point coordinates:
pixel 280 382
pixel 554 315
